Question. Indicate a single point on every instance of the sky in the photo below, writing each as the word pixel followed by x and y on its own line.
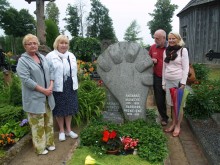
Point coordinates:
pixel 122 12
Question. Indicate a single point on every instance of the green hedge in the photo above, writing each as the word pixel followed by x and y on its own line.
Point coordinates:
pixel 8 113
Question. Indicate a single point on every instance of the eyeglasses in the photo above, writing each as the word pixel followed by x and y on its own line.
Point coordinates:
pixel 32 43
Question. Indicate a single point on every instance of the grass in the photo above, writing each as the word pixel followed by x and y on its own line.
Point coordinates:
pixel 80 154
pixel 214 74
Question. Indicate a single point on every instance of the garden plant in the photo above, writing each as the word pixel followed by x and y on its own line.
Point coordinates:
pixel 151 145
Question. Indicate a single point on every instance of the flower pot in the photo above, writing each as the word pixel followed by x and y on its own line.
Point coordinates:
pixel 112 152
pixel 129 151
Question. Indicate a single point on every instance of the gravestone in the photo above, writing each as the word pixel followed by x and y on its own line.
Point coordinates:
pixel 113 111
pixel 126 70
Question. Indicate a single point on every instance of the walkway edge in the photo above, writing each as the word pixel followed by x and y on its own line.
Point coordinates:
pixel 211 157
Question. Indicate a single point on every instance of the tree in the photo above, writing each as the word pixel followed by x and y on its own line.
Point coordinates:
pixel 52 12
pixel 99 23
pixel 80 6
pixel 52 31
pixel 4 5
pixel 73 20
pixel 132 32
pixel 85 48
pixel 17 24
pixel 162 16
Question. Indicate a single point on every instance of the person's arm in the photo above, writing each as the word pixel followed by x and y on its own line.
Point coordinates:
pixel 150 53
pixel 163 71
pixel 51 70
pixel 185 67
pixel 45 91
pixel 23 71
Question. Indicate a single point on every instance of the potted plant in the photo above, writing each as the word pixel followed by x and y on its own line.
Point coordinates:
pixel 129 144
pixel 111 142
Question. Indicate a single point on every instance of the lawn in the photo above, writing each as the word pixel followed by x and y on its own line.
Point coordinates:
pixel 81 153
pixel 214 74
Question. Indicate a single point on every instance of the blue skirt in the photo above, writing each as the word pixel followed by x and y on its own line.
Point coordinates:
pixel 66 101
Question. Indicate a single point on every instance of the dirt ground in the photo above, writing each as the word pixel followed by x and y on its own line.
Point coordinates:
pixel 63 152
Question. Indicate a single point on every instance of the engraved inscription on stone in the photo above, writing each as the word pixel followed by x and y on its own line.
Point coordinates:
pixel 132 105
pixel 112 104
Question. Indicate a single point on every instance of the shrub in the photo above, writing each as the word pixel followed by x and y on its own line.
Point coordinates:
pixel 91 98
pixel 4 91
pixel 8 113
pixel 85 48
pixel 11 94
pixel 152 142
pixel 204 101
pixel 201 71
pixel 15 96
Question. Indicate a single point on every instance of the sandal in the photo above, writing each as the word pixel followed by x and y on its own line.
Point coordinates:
pixel 176 134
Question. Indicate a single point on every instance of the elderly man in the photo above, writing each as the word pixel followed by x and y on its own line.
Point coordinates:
pixel 156 53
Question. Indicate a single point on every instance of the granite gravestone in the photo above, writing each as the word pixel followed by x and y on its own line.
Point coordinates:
pixel 126 70
pixel 113 111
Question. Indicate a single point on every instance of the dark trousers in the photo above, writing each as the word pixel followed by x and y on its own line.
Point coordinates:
pixel 160 97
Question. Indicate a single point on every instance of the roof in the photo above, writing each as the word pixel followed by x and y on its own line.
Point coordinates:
pixel 193 3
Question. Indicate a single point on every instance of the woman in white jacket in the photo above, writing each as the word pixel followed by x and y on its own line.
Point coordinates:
pixel 65 85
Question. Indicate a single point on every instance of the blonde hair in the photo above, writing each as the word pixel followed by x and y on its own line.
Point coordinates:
pixel 59 39
pixel 29 37
pixel 178 36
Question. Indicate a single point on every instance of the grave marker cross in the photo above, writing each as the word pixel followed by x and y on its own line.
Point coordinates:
pixel 41 34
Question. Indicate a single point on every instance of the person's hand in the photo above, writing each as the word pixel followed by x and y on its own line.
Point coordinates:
pixel 164 87
pixel 182 86
pixel 47 92
pixel 154 60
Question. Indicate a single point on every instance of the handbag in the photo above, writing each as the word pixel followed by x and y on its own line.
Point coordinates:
pixel 191 75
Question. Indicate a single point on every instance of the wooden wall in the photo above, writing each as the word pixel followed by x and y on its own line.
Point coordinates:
pixel 202 26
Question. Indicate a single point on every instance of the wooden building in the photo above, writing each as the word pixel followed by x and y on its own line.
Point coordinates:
pixel 200 29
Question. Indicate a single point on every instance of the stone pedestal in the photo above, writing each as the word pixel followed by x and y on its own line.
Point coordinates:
pixel 7 77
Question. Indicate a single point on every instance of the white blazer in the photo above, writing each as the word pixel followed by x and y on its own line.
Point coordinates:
pixel 58 70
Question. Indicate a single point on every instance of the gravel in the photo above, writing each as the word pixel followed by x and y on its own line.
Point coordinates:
pixel 207 133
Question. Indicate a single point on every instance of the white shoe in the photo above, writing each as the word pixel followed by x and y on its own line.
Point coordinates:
pixel 51 148
pixel 44 152
pixel 72 135
pixel 62 136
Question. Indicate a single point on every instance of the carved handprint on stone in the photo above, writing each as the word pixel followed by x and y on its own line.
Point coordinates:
pixel 126 70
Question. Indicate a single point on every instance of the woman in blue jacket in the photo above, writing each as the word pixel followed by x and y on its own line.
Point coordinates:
pixel 65 85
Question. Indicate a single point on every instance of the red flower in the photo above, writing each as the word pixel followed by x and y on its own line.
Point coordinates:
pixel 112 135
pixel 105 136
